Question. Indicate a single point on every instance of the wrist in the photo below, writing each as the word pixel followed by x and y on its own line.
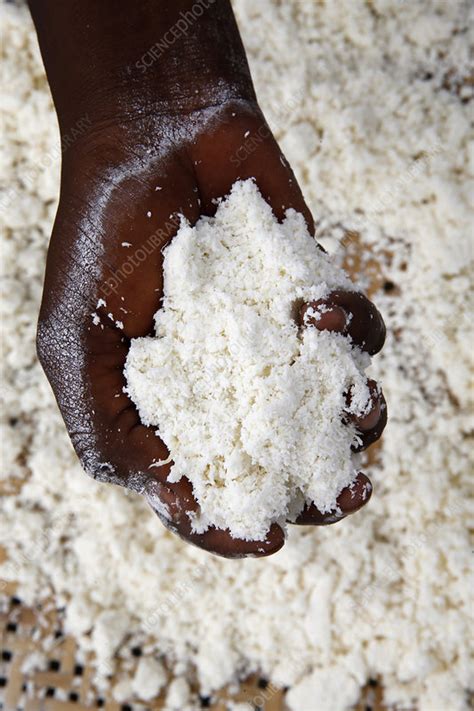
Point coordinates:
pixel 113 64
pixel 131 109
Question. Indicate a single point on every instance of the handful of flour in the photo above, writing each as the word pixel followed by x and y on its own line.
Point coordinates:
pixel 248 403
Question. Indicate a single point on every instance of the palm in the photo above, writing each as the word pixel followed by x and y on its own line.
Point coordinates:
pixel 104 285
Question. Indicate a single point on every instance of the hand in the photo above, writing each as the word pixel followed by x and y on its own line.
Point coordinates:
pixel 122 190
pixel 168 106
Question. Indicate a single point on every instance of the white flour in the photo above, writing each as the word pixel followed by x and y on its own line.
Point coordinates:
pixel 368 104
pixel 249 405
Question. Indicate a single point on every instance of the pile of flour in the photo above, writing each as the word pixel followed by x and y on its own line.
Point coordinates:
pixel 249 404
pixel 371 107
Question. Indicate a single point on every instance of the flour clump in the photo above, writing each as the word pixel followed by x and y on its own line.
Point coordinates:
pixel 249 403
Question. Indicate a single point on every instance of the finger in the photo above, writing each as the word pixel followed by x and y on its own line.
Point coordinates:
pixel 353 497
pixel 370 424
pixel 350 313
pixel 223 544
pixel 368 417
pixel 371 427
pixel 175 505
pixel 369 421
pixel 350 500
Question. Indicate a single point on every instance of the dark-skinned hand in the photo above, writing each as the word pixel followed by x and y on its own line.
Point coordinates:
pixel 124 183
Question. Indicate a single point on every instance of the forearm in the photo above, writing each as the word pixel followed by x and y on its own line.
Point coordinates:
pixel 113 60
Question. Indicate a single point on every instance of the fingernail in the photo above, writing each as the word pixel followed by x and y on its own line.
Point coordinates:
pixel 356 495
pixel 369 421
pixel 325 317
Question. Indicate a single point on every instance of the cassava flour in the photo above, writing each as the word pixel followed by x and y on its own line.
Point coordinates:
pixel 249 405
pixel 371 104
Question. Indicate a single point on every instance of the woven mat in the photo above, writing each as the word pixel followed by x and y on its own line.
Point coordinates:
pixel 64 684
